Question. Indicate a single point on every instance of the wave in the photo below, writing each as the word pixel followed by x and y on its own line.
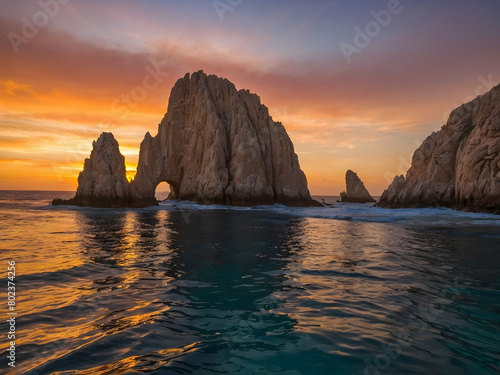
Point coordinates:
pixel 354 212
pixel 336 211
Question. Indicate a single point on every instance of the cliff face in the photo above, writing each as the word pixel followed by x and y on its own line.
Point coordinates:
pixel 215 145
pixel 458 166
pixel 218 145
pixel 103 181
pixel 355 190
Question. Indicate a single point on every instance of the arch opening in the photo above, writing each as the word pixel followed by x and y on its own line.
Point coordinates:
pixel 163 191
pixel 166 190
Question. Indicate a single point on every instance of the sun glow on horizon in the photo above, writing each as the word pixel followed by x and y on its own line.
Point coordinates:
pixel 93 69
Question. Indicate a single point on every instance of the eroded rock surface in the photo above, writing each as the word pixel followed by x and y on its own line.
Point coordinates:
pixel 218 145
pixel 458 166
pixel 103 181
pixel 215 145
pixel 355 190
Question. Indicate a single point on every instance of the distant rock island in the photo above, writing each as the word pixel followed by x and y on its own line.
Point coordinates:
pixel 458 166
pixel 103 181
pixel 355 190
pixel 215 145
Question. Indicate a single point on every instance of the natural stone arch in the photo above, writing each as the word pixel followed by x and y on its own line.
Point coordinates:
pixel 218 145
pixel 163 191
pixel 215 145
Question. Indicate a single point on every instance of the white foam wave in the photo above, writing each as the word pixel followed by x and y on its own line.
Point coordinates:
pixel 357 212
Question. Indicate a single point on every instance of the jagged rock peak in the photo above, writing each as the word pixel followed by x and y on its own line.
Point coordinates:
pixel 103 181
pixel 215 145
pixel 457 166
pixel 218 145
pixel 355 190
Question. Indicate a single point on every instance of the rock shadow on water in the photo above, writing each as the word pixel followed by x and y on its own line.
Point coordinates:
pixel 105 235
pixel 192 291
pixel 224 272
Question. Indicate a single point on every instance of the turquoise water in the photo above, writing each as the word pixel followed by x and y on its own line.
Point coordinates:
pixel 187 289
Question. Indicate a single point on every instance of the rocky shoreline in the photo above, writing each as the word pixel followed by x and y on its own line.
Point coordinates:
pixel 458 166
pixel 219 145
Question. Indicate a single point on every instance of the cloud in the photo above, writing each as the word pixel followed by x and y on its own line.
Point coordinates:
pixel 80 74
pixel 19 90
pixel 382 86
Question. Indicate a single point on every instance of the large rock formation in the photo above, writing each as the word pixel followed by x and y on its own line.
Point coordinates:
pixel 218 145
pixel 355 190
pixel 103 181
pixel 458 166
pixel 215 145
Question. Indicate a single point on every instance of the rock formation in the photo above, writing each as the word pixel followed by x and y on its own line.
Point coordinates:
pixel 458 166
pixel 355 190
pixel 218 145
pixel 215 145
pixel 103 181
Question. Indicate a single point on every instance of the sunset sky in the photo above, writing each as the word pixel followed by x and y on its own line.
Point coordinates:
pixel 70 69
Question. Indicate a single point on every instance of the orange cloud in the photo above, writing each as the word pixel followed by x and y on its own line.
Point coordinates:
pixel 62 90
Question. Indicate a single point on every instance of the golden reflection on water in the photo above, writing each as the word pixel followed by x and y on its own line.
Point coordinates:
pixel 66 247
pixel 122 320
pixel 32 242
pixel 136 290
pixel 147 362
pixel 339 282
pixel 129 236
pixel 115 245
pixel 120 278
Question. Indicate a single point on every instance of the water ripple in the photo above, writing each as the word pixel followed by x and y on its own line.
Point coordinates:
pixel 183 289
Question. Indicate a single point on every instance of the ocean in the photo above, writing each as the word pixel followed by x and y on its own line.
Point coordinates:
pixel 189 289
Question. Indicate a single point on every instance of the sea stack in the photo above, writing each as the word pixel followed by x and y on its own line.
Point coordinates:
pixel 103 181
pixel 355 190
pixel 218 145
pixel 458 166
pixel 215 145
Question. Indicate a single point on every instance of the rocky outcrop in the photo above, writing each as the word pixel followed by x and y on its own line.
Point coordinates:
pixel 215 145
pixel 458 166
pixel 355 190
pixel 103 181
pixel 218 145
